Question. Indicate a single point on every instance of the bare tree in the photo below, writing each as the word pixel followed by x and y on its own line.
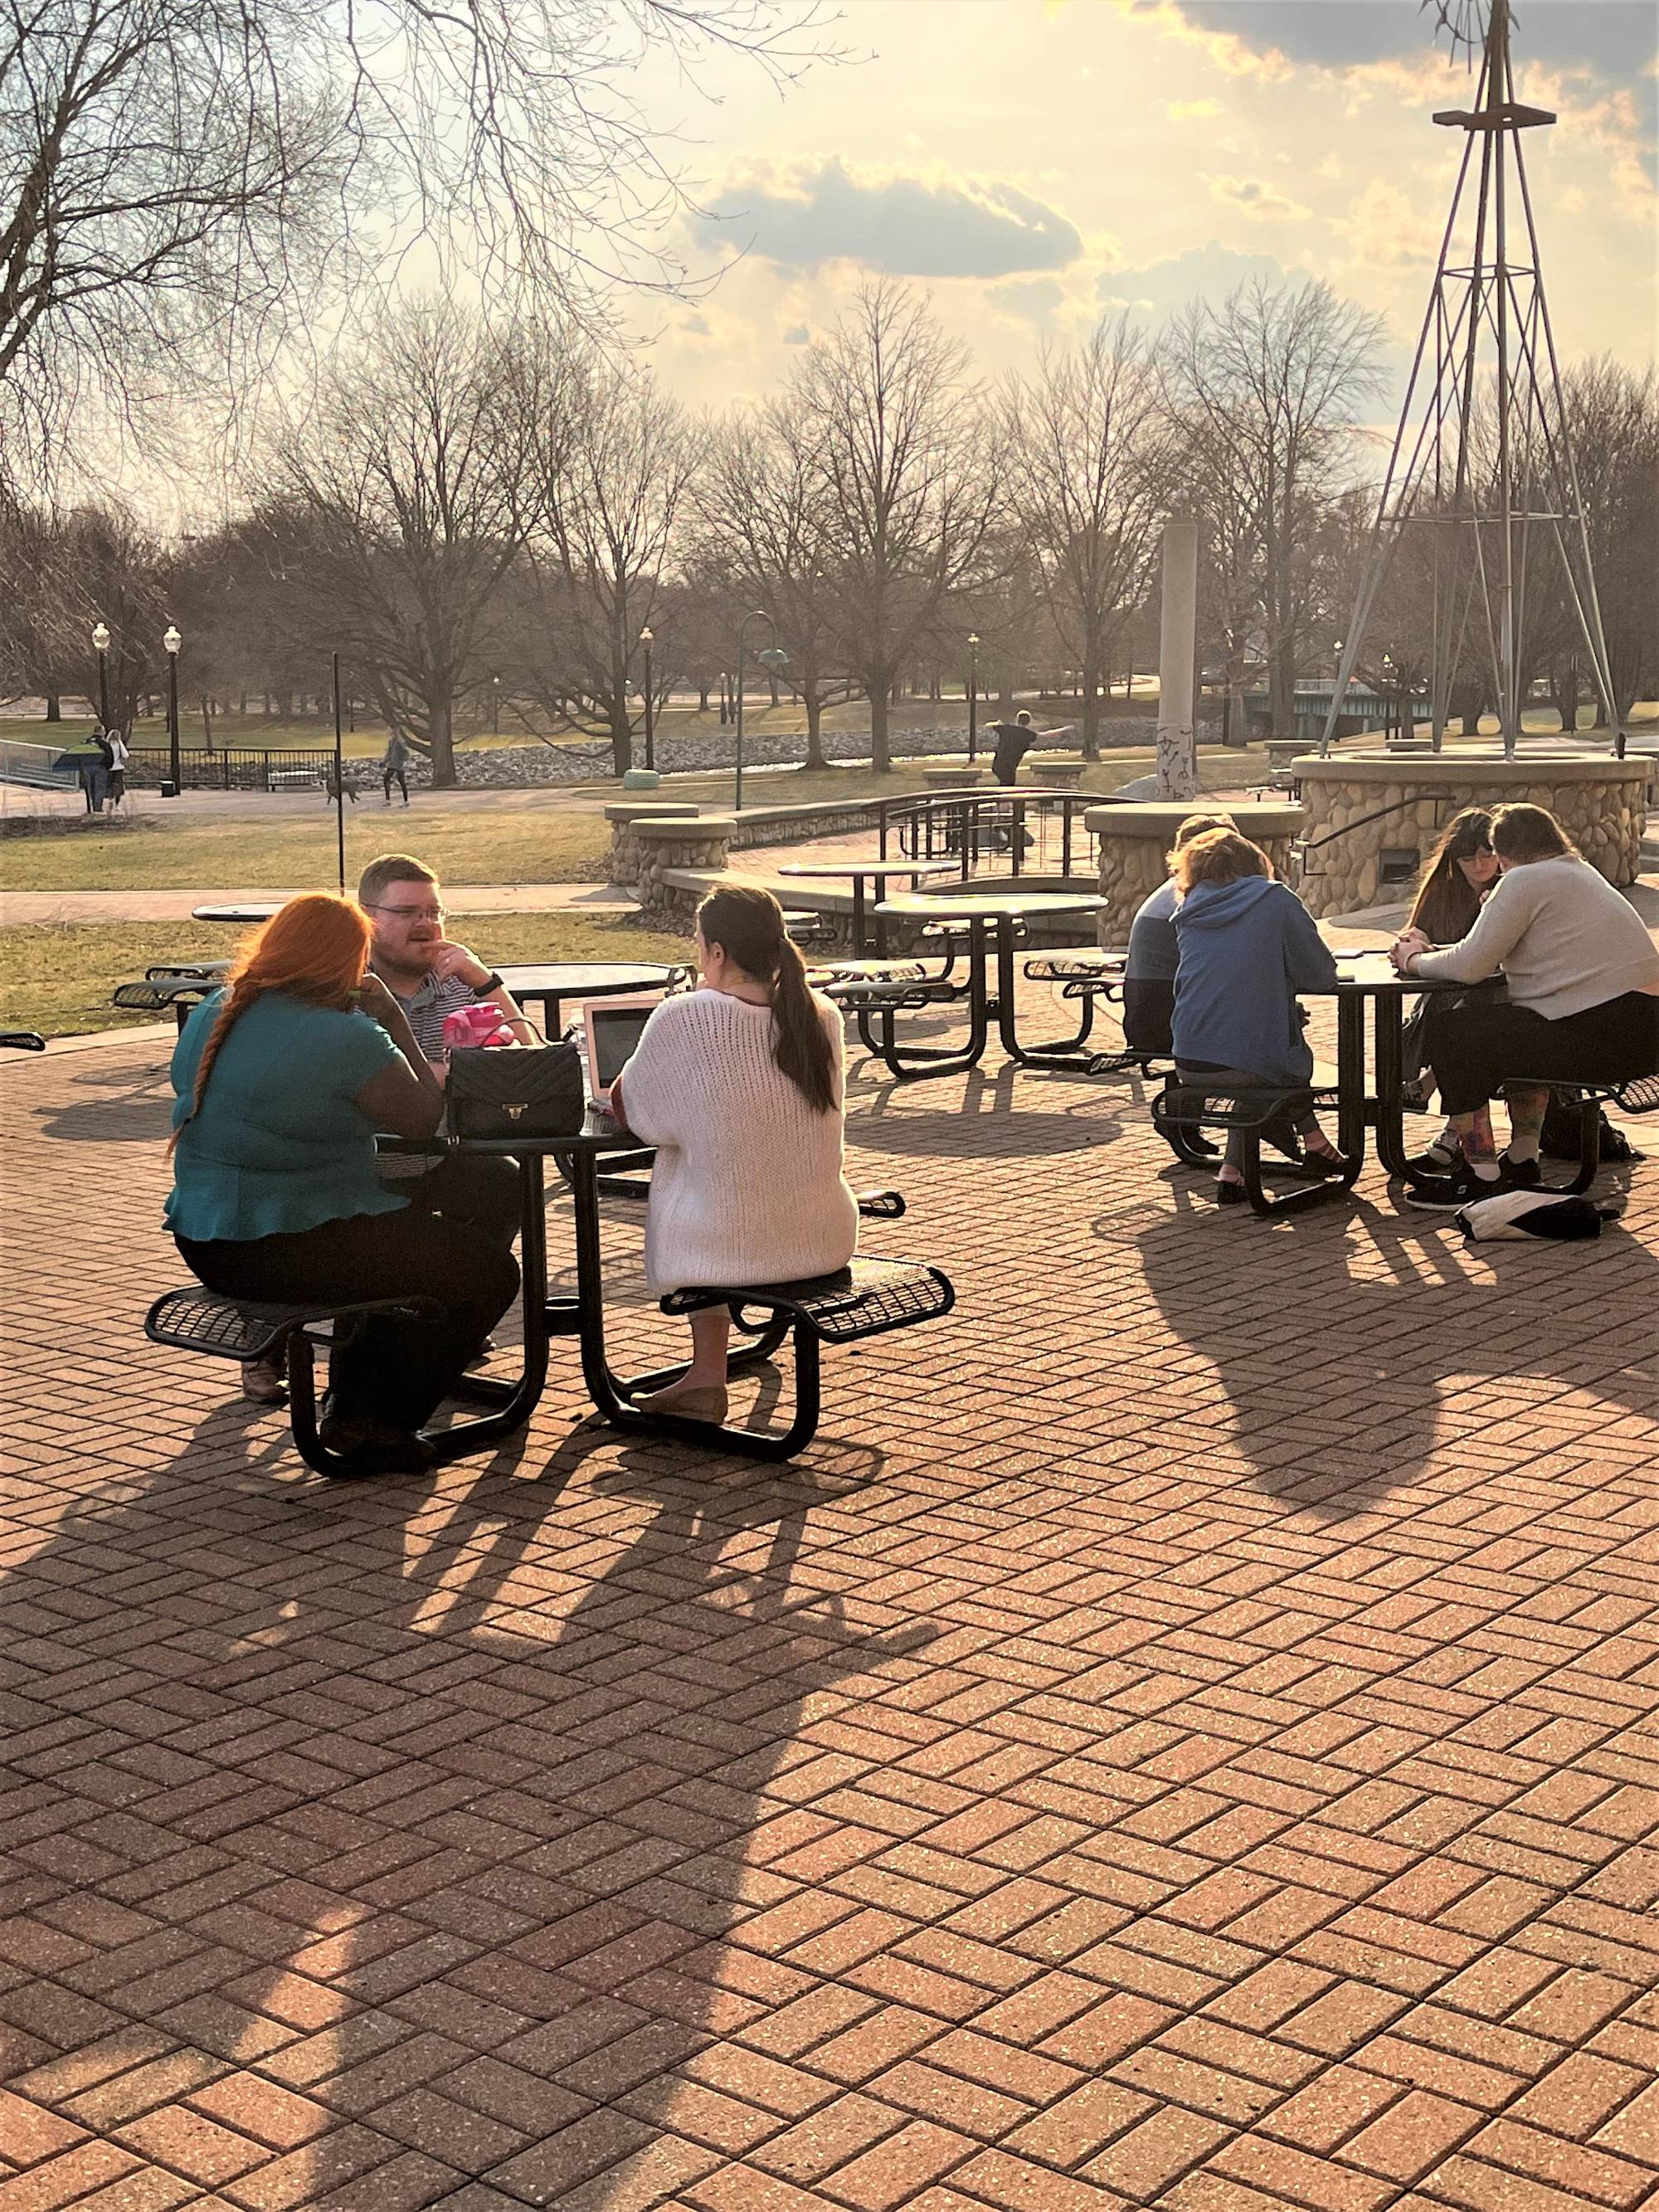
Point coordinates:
pixel 605 494
pixel 60 573
pixel 908 470
pixel 1263 392
pixel 1613 414
pixel 1088 443
pixel 175 174
pixel 766 518
pixel 405 491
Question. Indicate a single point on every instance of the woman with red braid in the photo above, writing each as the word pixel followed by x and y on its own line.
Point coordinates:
pixel 283 1079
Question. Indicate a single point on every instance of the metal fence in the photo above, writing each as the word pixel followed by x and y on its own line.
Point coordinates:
pixel 34 765
pixel 238 768
pixel 1030 833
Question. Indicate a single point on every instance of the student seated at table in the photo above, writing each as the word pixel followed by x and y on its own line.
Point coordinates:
pixel 431 976
pixel 1149 973
pixel 738 1085
pixel 1462 869
pixel 1582 1005
pixel 282 1078
pixel 1247 946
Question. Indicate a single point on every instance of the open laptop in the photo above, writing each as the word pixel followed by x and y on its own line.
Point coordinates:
pixel 613 1028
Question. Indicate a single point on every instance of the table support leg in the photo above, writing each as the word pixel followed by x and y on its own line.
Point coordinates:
pixel 1063 1051
pixel 1390 1056
pixel 913 1063
pixel 1350 1113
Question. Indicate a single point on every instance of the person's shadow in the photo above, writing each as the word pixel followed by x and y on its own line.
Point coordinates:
pixel 1333 1352
pixel 382 1838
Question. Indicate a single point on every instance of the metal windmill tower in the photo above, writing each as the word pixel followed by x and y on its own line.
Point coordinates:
pixel 1482 454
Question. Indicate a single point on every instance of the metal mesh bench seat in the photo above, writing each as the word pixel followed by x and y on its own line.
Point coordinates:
pixel 22 1041
pixel 166 971
pixel 805 926
pixel 1081 964
pixel 870 1298
pixel 160 994
pixel 1181 1107
pixel 825 973
pixel 196 1319
pixel 1638 1095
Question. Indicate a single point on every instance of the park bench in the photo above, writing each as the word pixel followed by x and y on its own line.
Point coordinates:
pixel 1181 1110
pixel 1639 1096
pixel 176 986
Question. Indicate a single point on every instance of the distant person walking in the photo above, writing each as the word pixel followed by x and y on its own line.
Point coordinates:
pixel 120 754
pixel 1014 740
pixel 97 772
pixel 394 766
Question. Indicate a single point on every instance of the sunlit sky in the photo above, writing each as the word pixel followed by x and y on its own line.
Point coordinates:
pixel 1033 162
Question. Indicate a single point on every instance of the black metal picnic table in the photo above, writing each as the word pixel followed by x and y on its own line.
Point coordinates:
pixel 552 982
pixel 863 872
pixel 1379 1107
pixel 991 907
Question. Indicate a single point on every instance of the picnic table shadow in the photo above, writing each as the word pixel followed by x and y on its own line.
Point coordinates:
pixel 421 1808
pixel 1334 1335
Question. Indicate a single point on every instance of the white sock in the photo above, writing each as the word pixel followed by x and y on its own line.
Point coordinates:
pixel 1484 1170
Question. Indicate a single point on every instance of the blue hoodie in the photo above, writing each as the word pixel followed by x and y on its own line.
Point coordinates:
pixel 1246 950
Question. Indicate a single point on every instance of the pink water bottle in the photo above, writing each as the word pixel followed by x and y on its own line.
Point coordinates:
pixel 479 1024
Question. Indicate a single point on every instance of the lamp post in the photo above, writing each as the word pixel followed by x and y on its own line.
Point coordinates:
pixel 773 656
pixel 100 647
pixel 495 706
pixel 647 641
pixel 973 694
pixel 172 641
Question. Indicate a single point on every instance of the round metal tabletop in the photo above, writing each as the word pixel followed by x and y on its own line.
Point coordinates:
pixel 592 979
pixel 1007 903
pixel 253 910
pixel 878 870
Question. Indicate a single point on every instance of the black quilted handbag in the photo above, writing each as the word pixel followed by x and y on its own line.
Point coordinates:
pixel 495 1091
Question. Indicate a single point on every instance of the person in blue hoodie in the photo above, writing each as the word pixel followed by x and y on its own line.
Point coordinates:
pixel 1246 947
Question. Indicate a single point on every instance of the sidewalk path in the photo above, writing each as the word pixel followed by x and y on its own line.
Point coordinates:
pixel 23 907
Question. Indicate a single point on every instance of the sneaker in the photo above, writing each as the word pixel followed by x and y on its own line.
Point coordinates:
pixel 1450 1192
pixel 1520 1174
pixel 1434 1163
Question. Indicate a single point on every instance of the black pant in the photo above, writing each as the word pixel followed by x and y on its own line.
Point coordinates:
pixel 388 776
pixel 1148 1011
pixel 393 1370
pixel 469 1186
pixel 1475 1043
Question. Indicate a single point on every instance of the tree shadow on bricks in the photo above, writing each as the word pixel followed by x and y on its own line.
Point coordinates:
pixel 365 1841
pixel 1335 1353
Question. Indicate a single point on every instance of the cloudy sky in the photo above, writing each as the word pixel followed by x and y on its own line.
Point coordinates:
pixel 1035 162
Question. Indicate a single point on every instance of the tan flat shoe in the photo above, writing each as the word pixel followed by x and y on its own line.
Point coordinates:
pixel 263 1382
pixel 705 1402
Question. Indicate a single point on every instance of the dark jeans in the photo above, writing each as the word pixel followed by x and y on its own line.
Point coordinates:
pixel 394 1369
pixel 1474 1044
pixel 391 776
pixel 469 1186
pixel 1148 1010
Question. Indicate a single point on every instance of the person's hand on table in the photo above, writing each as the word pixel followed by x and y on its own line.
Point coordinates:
pixel 457 960
pixel 1406 948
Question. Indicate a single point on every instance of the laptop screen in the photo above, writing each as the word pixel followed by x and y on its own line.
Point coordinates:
pixel 614 1032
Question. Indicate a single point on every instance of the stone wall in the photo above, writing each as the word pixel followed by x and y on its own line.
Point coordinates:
pixel 1135 841
pixel 667 847
pixel 1600 802
pixel 754 827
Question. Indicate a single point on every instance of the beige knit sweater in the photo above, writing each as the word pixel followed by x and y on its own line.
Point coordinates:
pixel 747 1185
pixel 1564 938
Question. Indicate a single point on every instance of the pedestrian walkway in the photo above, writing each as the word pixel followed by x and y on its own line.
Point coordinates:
pixel 23 907
pixel 1182 1738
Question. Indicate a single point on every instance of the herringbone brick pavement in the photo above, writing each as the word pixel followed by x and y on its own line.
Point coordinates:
pixel 1182 1738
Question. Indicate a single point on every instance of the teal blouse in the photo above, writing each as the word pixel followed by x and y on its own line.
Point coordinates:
pixel 279 1144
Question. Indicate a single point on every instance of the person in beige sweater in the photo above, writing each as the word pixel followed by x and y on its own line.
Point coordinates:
pixel 738 1085
pixel 1582 1005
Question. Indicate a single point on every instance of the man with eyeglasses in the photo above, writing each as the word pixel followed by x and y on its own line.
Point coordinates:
pixel 430 977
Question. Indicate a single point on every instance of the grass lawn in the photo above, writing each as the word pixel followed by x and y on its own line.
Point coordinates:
pixel 57 977
pixel 538 846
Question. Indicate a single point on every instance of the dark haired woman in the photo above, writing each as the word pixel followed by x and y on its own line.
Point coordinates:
pixel 1583 1003
pixel 738 1085
pixel 1462 869
pixel 283 1079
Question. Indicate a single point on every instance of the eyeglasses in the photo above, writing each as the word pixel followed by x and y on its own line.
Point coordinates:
pixel 414 913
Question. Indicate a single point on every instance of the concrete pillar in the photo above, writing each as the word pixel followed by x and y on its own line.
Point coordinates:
pixel 1177 663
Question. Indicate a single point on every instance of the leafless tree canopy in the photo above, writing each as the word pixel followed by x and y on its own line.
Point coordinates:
pixel 184 182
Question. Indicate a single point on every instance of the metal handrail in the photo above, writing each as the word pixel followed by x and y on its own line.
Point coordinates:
pixel 1303 846
pixel 974 823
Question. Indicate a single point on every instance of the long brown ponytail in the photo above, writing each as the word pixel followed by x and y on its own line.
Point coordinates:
pixel 747 923
pixel 315 948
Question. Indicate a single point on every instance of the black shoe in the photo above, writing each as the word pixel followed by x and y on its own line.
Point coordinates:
pixel 1317 1166
pixel 1231 1194
pixel 1520 1174
pixel 1450 1192
pixel 1435 1165
pixel 372 1447
pixel 1201 1145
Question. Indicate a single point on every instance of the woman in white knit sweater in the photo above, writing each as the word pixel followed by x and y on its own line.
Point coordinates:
pixel 1581 1005
pixel 738 1085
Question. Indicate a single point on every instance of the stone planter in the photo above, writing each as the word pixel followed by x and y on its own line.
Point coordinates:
pixel 666 847
pixel 1135 841
pixel 625 819
pixel 1372 818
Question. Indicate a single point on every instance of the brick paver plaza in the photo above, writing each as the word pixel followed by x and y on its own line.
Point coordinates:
pixel 1183 1737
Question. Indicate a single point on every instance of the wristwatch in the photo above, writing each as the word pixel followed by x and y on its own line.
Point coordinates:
pixel 491 982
